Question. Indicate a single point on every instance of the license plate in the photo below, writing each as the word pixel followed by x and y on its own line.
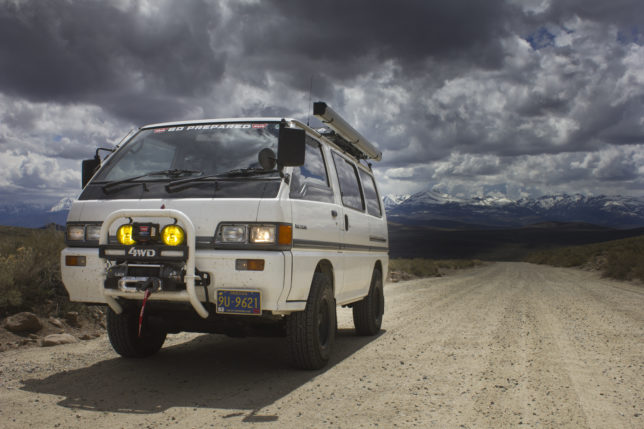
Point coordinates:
pixel 239 302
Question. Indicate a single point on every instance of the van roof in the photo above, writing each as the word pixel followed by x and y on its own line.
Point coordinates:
pixel 217 120
pixel 342 135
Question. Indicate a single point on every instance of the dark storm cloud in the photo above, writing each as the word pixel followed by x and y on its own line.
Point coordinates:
pixel 336 41
pixel 535 94
pixel 91 51
pixel 625 13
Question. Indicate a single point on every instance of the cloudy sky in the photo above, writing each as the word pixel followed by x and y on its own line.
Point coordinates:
pixel 522 97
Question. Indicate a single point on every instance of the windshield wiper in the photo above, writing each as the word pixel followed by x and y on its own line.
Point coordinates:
pixel 248 173
pixel 173 173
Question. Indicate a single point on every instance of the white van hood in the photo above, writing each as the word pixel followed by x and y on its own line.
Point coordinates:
pixel 205 214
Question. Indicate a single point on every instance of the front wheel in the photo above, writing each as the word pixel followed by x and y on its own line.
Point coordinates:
pixel 311 333
pixel 123 332
pixel 367 314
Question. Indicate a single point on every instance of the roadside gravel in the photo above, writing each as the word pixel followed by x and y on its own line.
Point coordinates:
pixel 504 345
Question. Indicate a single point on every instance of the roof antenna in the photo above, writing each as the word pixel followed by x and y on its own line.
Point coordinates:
pixel 308 118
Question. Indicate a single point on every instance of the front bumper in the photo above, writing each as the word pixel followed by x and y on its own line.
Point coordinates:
pixel 87 283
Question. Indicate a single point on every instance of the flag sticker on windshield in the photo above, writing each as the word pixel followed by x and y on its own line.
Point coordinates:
pixel 160 130
pixel 260 125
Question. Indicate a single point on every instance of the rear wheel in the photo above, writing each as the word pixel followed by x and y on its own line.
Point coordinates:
pixel 367 314
pixel 123 332
pixel 311 333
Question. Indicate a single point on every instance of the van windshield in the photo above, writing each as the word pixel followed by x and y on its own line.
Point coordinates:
pixel 191 150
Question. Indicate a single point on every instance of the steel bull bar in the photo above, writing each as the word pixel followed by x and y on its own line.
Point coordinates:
pixel 190 293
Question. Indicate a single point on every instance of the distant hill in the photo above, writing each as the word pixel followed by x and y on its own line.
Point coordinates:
pixel 495 244
pixel 427 208
pixel 31 215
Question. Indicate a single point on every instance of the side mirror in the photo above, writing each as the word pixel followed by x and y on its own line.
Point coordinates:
pixel 291 147
pixel 89 168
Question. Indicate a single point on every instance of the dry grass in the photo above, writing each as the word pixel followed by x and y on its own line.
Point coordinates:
pixel 619 259
pixel 30 271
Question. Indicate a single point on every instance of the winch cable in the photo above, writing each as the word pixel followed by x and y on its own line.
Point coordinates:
pixel 148 292
pixel 149 286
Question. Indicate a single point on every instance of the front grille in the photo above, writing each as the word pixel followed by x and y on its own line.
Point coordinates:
pixel 144 270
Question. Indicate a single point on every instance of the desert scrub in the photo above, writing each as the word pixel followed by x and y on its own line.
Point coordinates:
pixel 619 259
pixel 30 270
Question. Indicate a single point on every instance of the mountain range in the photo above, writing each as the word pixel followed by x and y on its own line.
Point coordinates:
pixel 33 215
pixel 434 209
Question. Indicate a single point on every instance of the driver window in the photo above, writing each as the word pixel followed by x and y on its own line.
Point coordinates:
pixel 310 181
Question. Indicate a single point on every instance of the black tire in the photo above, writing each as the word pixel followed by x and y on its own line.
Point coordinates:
pixel 311 333
pixel 367 314
pixel 123 331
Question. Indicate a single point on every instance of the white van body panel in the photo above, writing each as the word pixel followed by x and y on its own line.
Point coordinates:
pixel 206 214
pixel 84 284
pixel 320 237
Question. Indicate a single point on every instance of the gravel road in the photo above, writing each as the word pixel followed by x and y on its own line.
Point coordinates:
pixel 504 345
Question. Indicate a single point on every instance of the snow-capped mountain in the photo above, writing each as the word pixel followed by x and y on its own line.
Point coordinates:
pixel 63 205
pixel 392 200
pixel 500 211
pixel 35 215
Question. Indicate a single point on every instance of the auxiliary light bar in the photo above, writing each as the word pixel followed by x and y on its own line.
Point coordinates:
pixel 346 131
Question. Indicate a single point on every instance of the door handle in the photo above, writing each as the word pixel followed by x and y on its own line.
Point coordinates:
pixel 334 213
pixel 346 222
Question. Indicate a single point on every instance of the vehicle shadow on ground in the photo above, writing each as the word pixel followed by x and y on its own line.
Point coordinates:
pixel 211 371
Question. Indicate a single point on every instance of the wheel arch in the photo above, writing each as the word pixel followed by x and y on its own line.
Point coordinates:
pixel 325 266
pixel 379 266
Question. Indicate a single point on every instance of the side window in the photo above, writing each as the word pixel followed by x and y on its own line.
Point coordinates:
pixel 349 185
pixel 310 181
pixel 370 194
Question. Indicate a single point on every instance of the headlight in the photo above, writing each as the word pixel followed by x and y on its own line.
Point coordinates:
pixel 124 235
pixel 262 234
pixel 93 232
pixel 76 232
pixel 173 235
pixel 233 234
pixel 83 234
pixel 255 234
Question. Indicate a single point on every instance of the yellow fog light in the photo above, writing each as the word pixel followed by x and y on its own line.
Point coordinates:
pixel 124 235
pixel 173 235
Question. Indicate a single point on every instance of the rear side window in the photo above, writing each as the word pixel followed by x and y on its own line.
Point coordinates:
pixel 310 181
pixel 370 194
pixel 349 185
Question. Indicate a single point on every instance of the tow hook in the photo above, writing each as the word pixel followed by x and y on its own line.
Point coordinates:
pixel 151 285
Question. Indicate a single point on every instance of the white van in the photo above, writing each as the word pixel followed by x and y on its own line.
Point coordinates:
pixel 253 226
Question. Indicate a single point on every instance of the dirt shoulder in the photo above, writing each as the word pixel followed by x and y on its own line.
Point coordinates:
pixel 80 326
pixel 504 345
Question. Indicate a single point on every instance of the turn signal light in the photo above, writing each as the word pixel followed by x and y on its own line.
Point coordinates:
pixel 75 261
pixel 249 264
pixel 285 236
